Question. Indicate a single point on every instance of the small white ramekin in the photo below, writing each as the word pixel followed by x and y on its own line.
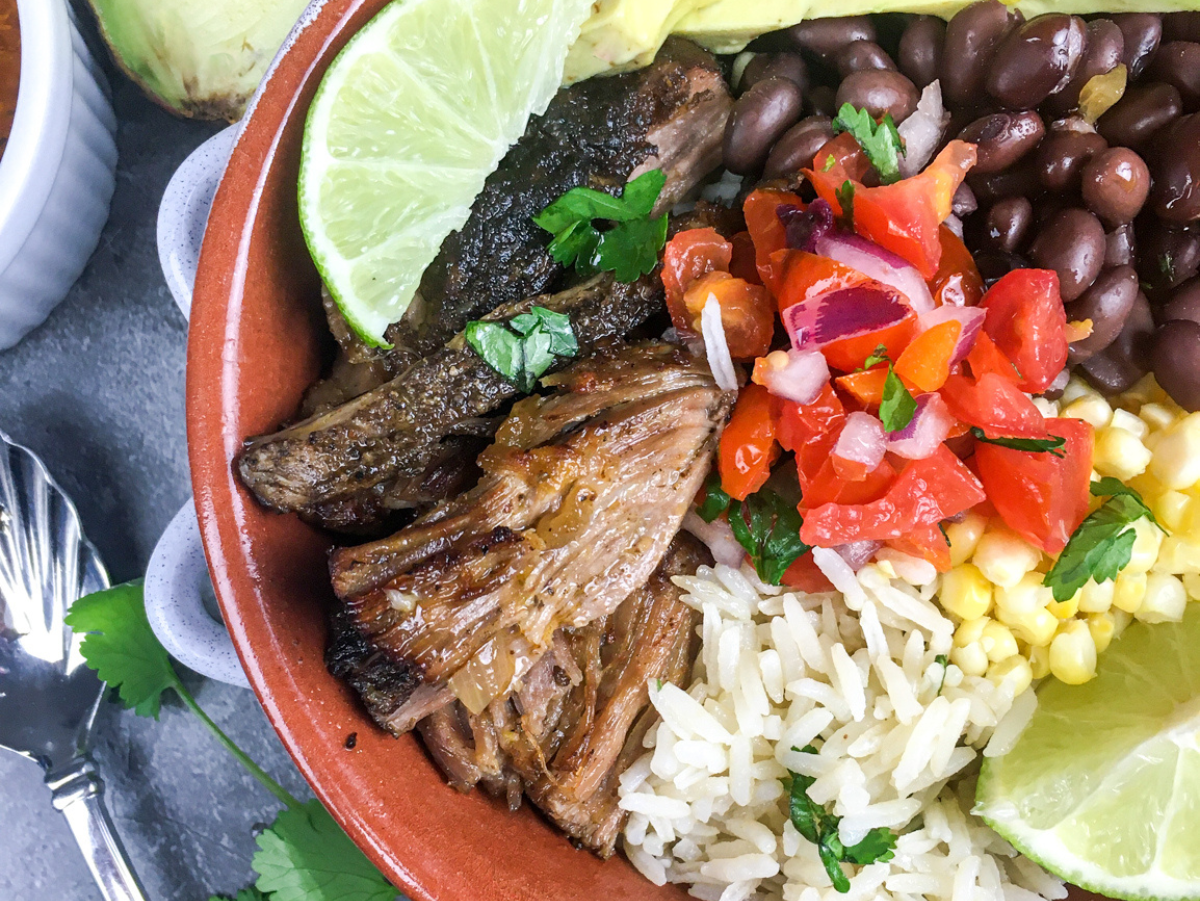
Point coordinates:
pixel 57 172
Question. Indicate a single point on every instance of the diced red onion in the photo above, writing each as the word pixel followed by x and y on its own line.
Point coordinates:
pixel 922 131
pixel 858 554
pixel 970 318
pixel 804 227
pixel 924 434
pixel 715 345
pixel 797 375
pixel 862 441
pixel 843 313
pixel 719 538
pixel 882 265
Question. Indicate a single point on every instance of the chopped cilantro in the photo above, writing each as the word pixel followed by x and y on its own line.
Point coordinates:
pixel 879 355
pixel 880 141
pixel 845 199
pixel 944 661
pixel 768 527
pixel 716 501
pixel 898 406
pixel 1049 445
pixel 524 349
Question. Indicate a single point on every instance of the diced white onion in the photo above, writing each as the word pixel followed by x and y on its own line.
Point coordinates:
pixel 715 345
pixel 862 441
pixel 797 375
pixel 922 131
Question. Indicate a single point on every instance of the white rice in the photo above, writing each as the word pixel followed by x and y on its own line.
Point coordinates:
pixel 898 734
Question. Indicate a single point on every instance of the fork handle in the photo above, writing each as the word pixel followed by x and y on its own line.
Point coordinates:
pixel 78 793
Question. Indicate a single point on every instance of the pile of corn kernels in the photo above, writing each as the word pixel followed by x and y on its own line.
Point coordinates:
pixel 1010 628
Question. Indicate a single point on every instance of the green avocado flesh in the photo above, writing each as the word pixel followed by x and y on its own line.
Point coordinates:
pixel 199 58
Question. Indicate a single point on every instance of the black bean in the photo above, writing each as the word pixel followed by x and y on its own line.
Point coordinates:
pixel 769 65
pixel 1183 304
pixel 920 53
pixel 972 36
pixel 1062 156
pixel 879 91
pixel 1175 359
pixel 796 149
pixel 1178 64
pixel 1072 244
pixel 1037 59
pixel 759 118
pixel 1139 114
pixel 1020 180
pixel 863 56
pixel 1107 303
pixel 1003 138
pixel 822 101
pixel 964 202
pixel 993 265
pixel 1119 247
pixel 1181 27
pixel 1167 256
pixel 1105 46
pixel 1176 170
pixel 1115 185
pixel 1118 367
pixel 1007 224
pixel 825 37
pixel 1143 33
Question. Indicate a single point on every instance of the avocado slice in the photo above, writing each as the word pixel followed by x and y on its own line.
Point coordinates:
pixel 198 58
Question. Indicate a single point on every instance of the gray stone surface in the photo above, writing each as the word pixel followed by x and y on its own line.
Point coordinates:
pixel 97 392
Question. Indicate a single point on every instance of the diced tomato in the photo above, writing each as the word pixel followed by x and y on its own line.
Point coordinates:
pixel 810 430
pixel 957 281
pixel 995 405
pixel 766 231
pixel 848 157
pixel 744 264
pixel 1040 496
pixel 747 312
pixel 925 363
pixel 905 217
pixel 1025 318
pixel 986 357
pixel 866 387
pixel 748 447
pixel 688 256
pixel 825 486
pixel 928 543
pixel 849 354
pixel 801 275
pixel 804 575
pixel 928 491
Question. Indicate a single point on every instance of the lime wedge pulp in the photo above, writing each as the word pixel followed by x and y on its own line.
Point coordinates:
pixel 1103 786
pixel 410 119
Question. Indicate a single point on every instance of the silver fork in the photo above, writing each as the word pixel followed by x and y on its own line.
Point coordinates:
pixel 48 697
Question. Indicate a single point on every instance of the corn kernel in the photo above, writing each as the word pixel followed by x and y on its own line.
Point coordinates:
pixel 997 642
pixel 1176 459
pixel 1015 672
pixel 1165 599
pixel 1156 416
pixel 1039 662
pixel 1073 653
pixel 1173 509
pixel 970 631
pixel 1095 597
pixel 1120 453
pixel 964 537
pixel 1103 628
pixel 1023 598
pixel 965 592
pixel 1123 419
pixel 1065 609
pixel 1004 557
pixel 1145 391
pixel 1146 547
pixel 1128 591
pixel 1076 388
pixel 1048 408
pixel 1036 628
pixel 1177 556
pixel 1191 584
pixel 972 659
pixel 1121 621
pixel 1091 408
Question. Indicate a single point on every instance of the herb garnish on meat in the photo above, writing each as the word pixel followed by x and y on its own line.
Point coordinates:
pixel 523 350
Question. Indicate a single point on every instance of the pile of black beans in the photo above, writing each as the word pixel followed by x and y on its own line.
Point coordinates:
pixel 1113 207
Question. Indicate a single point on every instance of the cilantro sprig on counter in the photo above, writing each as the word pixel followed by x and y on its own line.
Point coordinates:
pixel 880 141
pixel 765 525
pixel 1102 546
pixel 820 827
pixel 1049 445
pixel 627 241
pixel 523 349
pixel 304 855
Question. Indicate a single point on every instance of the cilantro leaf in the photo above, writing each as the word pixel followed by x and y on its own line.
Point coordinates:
pixel 881 141
pixel 628 249
pixel 897 408
pixel 305 856
pixel 1049 445
pixel 246 894
pixel 879 355
pixel 1102 545
pixel 122 648
pixel 845 199
pixel 715 502
pixel 523 350
pixel 1110 487
pixel 877 845
pixel 771 536
pixel 831 853
pixel 557 325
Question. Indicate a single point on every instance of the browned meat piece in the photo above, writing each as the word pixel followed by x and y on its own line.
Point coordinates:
pixel 580 716
pixel 350 467
pixel 581 494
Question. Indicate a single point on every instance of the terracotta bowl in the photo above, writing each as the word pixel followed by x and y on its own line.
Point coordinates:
pixel 258 339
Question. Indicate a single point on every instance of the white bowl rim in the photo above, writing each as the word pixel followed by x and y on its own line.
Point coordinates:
pixel 40 126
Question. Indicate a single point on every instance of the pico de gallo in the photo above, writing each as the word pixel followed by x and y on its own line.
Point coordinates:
pixel 889 392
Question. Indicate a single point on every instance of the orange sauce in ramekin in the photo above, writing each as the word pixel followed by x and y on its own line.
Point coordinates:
pixel 10 67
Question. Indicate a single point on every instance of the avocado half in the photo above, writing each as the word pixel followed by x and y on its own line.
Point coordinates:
pixel 198 58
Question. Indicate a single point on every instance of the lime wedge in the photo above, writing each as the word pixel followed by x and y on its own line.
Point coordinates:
pixel 412 116
pixel 1103 786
